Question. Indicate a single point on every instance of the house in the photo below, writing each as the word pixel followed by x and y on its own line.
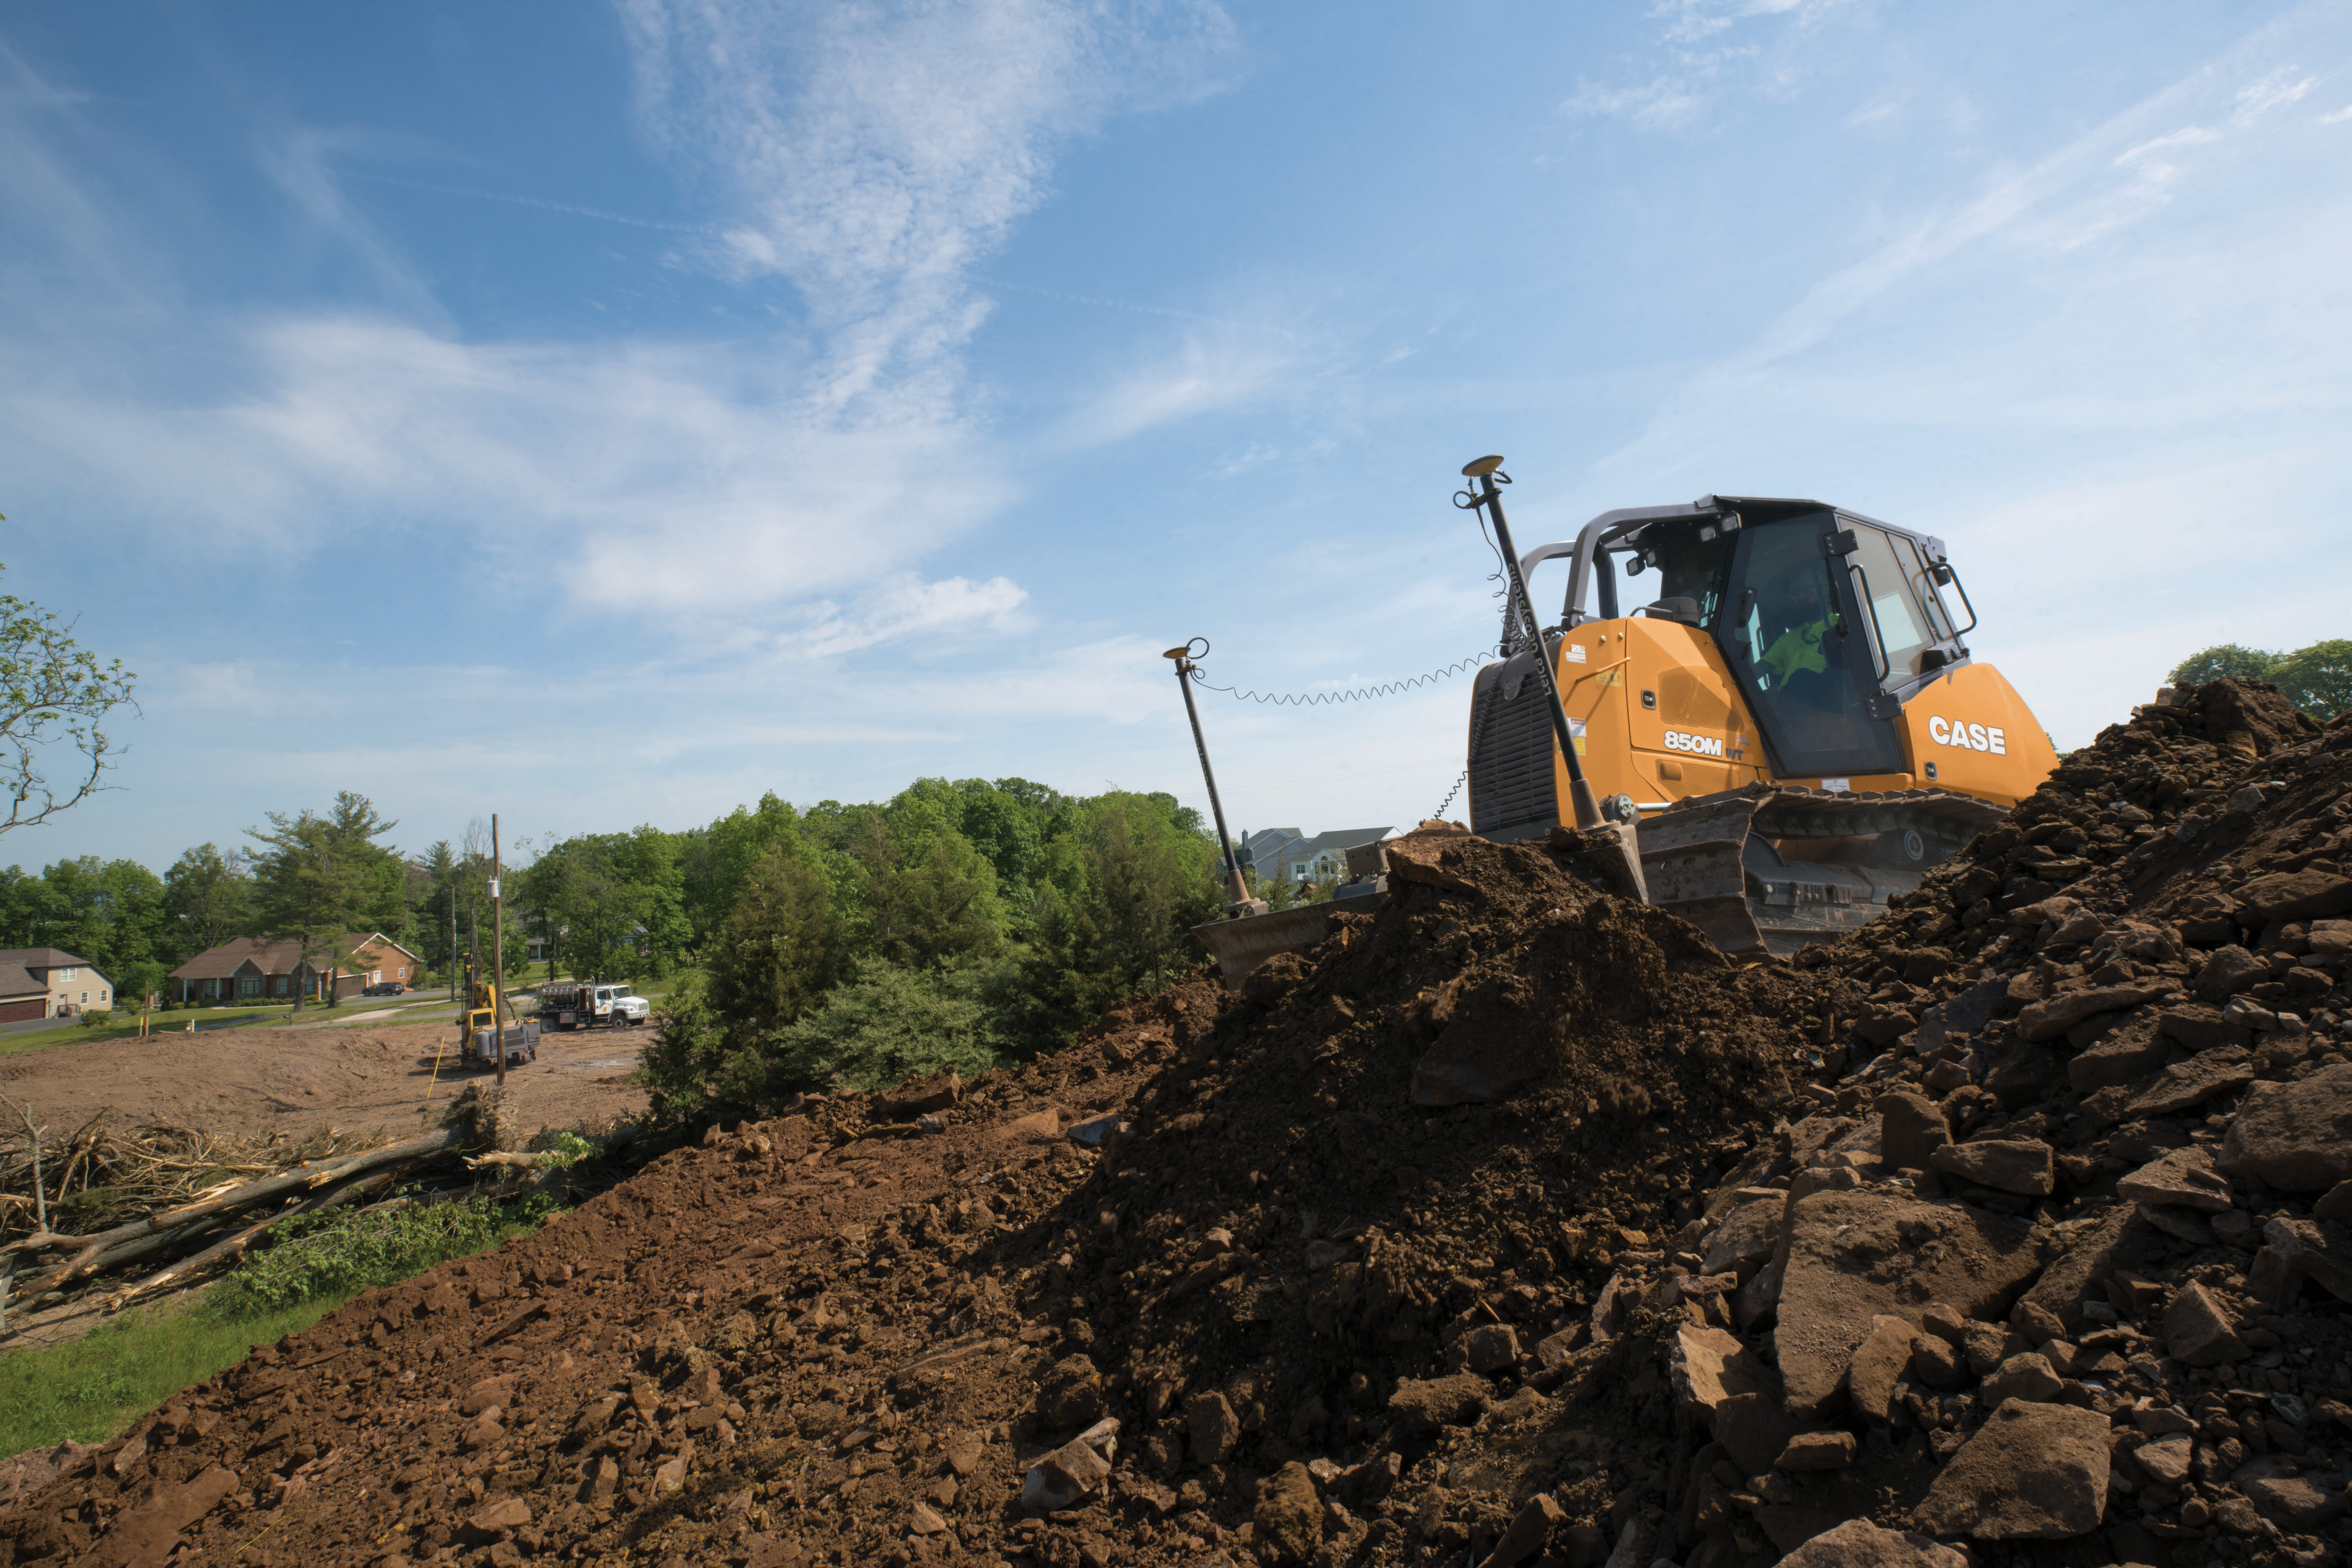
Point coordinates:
pixel 250 969
pixel 1325 855
pixel 1262 850
pixel 44 982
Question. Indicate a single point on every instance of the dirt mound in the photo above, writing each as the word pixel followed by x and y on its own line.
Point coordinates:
pixel 1512 1223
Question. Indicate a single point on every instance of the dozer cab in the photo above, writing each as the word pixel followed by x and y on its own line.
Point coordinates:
pixel 1792 717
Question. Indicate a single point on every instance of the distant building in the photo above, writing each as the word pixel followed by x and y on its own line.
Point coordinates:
pixel 1324 854
pixel 44 982
pixel 250 969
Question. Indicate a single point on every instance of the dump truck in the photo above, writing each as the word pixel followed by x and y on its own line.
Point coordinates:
pixel 1790 714
pixel 576 1006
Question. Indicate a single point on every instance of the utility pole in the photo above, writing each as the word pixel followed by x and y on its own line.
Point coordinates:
pixel 498 949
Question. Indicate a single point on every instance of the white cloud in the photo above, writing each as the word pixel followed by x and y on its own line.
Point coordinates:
pixel 869 155
pixel 1203 375
pixel 1661 104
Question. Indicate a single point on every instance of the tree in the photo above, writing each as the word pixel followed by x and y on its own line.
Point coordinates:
pixel 207 899
pixel 782 948
pixel 54 695
pixel 2225 658
pixel 592 899
pixel 2319 678
pixel 1116 910
pixel 320 878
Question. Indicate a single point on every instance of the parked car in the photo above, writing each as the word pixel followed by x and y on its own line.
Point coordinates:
pixel 388 988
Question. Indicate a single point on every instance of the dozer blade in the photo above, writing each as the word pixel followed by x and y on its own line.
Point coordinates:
pixel 1712 860
pixel 1691 863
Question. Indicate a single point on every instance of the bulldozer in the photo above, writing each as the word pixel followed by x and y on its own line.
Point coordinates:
pixel 1790 715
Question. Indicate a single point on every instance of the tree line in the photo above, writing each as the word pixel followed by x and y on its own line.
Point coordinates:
pixel 958 921
pixel 2318 679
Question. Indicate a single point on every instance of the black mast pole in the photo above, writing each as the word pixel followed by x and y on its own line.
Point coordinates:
pixel 1483 470
pixel 1239 889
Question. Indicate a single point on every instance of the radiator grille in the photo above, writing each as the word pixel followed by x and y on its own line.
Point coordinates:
pixel 1511 791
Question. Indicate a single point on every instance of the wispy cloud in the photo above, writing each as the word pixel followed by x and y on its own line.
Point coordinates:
pixel 868 155
pixel 1699 50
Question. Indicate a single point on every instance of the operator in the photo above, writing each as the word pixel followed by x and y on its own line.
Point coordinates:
pixel 1798 603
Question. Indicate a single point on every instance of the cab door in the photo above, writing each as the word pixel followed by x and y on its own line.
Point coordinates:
pixel 1796 642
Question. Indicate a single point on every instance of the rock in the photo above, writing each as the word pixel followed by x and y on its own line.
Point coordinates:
pixel 939 1091
pixel 2335 1208
pixel 1750 1232
pixel 1530 1527
pixel 1212 1429
pixel 2030 1473
pixel 923 1519
pixel 1071 1393
pixel 2226 972
pixel 2166 1461
pixel 963 1452
pixel 2185 1178
pixel 142 1535
pixel 2197 1027
pixel 2120 1058
pixel 1938 1364
pixel 2038 1323
pixel 1710 1365
pixel 495 1518
pixel 2196 1333
pixel 1493 1347
pixel 1817 1451
pixel 2029 1377
pixel 1985 1346
pixel 2285 896
pixel 2193 1082
pixel 1753 1429
pixel 2005 1164
pixel 1945 1323
pixel 1881 1360
pixel 1858 1544
pixel 2297 1135
pixel 2300 1247
pixel 1852 1256
pixel 1065 1475
pixel 669 1476
pixel 2299 1502
pixel 1910 1128
pixel 1420 1407
pixel 2122 1238
pixel 491 1393
pixel 1288 1519
pixel 2047 1020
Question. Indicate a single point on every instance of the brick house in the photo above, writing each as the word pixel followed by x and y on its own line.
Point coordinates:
pixel 45 982
pixel 249 969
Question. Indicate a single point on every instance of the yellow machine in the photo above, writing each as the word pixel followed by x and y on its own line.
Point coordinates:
pixel 1793 719
pixel 478 1027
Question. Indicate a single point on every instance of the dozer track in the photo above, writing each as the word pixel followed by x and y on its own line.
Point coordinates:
pixel 1713 859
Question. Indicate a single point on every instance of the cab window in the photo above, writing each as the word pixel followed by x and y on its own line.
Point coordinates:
pixel 1692 562
pixel 1792 642
pixel 1897 617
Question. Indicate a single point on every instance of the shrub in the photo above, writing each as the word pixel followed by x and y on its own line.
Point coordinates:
pixel 339 1251
pixel 97 1017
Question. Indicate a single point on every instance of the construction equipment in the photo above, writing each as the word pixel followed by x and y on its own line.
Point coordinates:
pixel 574 1005
pixel 1792 721
pixel 478 1027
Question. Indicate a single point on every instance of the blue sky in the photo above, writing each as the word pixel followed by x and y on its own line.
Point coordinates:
pixel 602 416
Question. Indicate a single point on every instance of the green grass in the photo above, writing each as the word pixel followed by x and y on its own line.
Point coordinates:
pixel 92 1388
pixel 120 1027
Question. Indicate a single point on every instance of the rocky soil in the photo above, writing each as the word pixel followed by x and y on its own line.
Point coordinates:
pixel 1512 1224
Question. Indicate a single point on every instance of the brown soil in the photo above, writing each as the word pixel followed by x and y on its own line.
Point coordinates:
pixel 1345 1306
pixel 357 1076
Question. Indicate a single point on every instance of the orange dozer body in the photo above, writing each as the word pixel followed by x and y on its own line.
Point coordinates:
pixel 1795 723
